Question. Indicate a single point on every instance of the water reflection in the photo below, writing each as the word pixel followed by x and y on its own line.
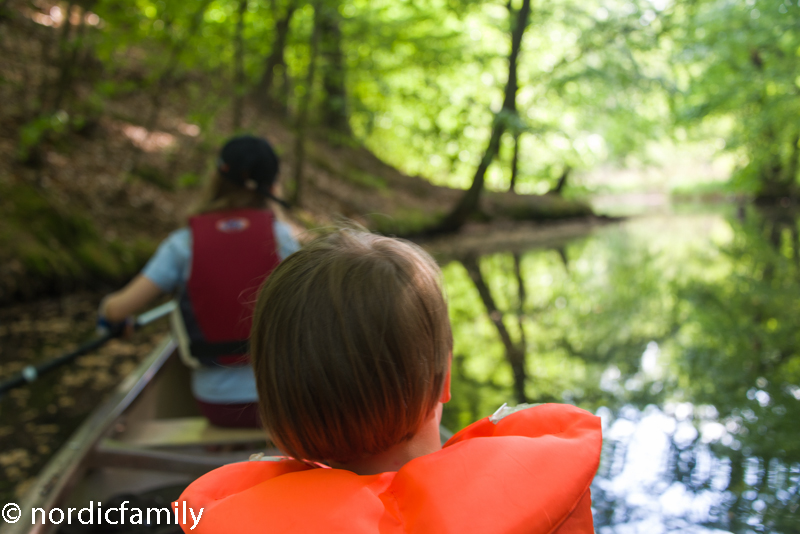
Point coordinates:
pixel 681 333
pixel 656 476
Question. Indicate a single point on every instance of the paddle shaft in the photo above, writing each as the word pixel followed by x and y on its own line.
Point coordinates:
pixel 32 372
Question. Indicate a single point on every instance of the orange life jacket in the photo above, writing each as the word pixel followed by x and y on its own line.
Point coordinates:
pixel 528 473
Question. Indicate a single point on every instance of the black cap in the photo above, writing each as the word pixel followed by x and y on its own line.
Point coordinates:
pixel 250 162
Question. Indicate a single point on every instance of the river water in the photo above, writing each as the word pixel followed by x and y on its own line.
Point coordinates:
pixel 36 420
pixel 681 332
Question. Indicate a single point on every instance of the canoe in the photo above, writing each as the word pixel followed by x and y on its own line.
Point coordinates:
pixel 147 435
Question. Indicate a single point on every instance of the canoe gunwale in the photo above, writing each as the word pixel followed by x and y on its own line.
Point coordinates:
pixel 110 453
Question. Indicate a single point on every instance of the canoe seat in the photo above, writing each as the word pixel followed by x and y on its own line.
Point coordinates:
pixel 187 431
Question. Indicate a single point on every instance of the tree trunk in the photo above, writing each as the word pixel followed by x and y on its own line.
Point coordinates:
pixel 334 102
pixel 562 255
pixel 790 177
pixel 7 17
pixel 302 117
pixel 521 297
pixel 69 61
pixel 777 180
pixel 238 83
pixel 512 186
pixel 773 186
pixel 515 354
pixel 63 44
pixel 275 59
pixel 469 202
pixel 46 57
pixel 562 181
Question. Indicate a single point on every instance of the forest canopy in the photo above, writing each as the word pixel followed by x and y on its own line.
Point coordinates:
pixel 422 83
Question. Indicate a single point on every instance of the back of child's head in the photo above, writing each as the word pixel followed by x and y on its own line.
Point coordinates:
pixel 350 344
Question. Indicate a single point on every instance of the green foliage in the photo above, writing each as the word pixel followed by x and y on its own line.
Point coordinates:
pixel 57 243
pixel 365 179
pixel 189 180
pixel 598 80
pixel 46 220
pixel 737 59
pixel 421 79
pixel 427 106
pixel 32 133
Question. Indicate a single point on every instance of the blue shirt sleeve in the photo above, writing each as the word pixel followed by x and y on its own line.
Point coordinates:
pixel 287 244
pixel 169 266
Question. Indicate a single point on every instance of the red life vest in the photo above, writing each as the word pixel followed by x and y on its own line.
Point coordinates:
pixel 529 473
pixel 232 253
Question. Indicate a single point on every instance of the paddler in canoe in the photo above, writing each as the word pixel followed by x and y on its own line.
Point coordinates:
pixel 351 346
pixel 216 265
